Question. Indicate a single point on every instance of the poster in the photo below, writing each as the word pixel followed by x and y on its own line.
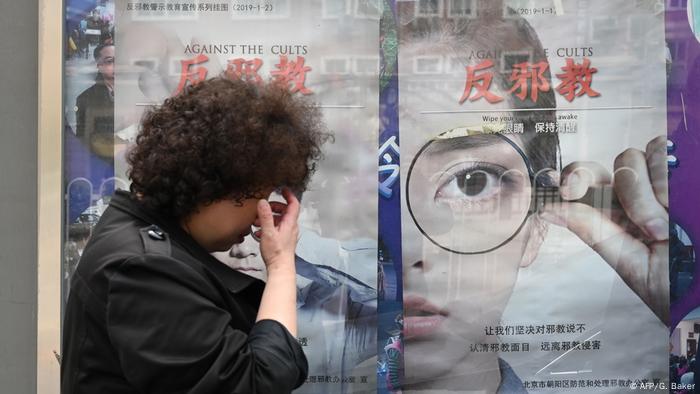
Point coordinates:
pixel 130 55
pixel 336 254
pixel 509 285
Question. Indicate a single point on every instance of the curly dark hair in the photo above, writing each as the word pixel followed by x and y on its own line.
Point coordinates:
pixel 224 139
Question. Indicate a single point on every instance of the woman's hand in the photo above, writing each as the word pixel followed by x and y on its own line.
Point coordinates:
pixel 633 241
pixel 278 240
pixel 279 231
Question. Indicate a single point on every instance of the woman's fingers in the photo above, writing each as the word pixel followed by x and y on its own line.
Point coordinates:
pixel 265 218
pixel 273 214
pixel 634 190
pixel 278 210
pixel 291 213
pixel 278 207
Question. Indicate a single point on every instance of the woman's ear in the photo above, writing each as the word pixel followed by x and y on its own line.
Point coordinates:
pixel 538 233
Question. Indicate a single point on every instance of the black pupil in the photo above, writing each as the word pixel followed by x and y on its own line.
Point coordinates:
pixel 472 183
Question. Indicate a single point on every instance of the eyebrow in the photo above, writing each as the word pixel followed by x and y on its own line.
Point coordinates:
pixel 467 142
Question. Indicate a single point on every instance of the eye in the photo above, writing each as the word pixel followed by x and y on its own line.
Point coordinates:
pixel 469 182
pixel 473 183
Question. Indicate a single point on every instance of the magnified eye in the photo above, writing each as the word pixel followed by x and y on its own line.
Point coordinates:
pixel 474 183
pixel 469 182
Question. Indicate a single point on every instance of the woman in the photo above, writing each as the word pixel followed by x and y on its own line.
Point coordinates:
pixel 150 310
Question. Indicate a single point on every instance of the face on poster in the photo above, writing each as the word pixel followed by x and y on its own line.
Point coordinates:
pixel 327 52
pixel 502 107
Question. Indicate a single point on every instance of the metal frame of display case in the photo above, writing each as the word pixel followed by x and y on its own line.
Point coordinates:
pixel 50 82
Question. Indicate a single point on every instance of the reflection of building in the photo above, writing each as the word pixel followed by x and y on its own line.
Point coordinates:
pixel 618 41
pixel 684 339
pixel 451 8
pixel 683 350
pixel 337 40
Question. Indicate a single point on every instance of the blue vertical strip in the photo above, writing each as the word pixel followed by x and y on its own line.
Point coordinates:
pixel 390 303
pixel 683 100
pixel 86 176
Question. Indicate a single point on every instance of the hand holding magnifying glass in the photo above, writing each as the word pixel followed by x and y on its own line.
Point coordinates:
pixel 634 244
pixel 471 192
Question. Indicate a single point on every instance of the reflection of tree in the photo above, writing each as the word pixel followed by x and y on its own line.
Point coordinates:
pixel 342 192
pixel 356 89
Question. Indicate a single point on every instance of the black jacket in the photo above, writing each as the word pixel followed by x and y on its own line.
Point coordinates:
pixel 150 311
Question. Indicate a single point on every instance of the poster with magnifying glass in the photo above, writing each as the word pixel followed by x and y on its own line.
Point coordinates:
pixel 534 199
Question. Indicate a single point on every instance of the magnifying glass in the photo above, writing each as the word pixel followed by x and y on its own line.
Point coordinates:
pixel 471 191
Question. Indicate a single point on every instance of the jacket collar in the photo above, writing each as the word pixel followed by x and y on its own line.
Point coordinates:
pixel 233 280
